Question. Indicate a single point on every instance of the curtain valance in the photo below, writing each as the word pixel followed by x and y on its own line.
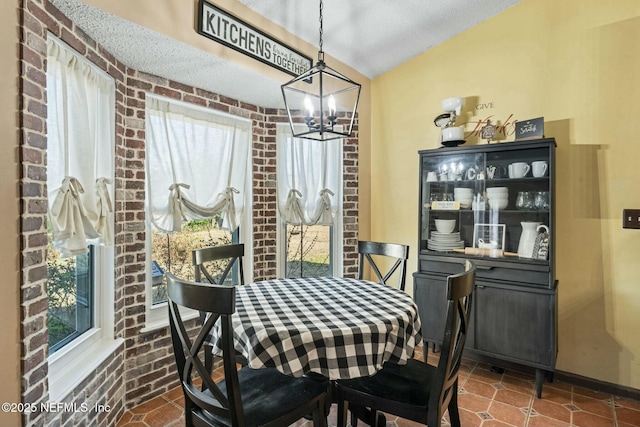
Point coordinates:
pixel 197 163
pixel 80 150
pixel 309 178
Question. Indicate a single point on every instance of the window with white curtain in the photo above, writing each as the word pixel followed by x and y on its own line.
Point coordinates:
pixel 197 186
pixel 80 174
pixel 309 181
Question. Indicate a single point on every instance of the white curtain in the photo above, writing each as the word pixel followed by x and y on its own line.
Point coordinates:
pixel 197 163
pixel 80 150
pixel 309 176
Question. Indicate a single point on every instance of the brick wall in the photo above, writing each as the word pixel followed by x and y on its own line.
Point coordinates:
pixel 144 368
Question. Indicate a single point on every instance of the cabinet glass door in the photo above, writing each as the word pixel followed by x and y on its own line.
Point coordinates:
pixel 490 203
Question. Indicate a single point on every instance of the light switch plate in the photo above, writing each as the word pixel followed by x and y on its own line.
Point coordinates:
pixel 631 218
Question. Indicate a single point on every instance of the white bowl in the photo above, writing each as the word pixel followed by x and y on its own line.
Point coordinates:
pixel 445 225
pixel 463 190
pixel 497 190
pixel 498 203
pixel 498 196
pixel 465 202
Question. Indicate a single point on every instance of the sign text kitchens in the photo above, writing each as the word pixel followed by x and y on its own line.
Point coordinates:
pixel 232 32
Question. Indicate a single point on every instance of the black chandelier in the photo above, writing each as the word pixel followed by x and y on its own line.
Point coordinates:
pixel 328 100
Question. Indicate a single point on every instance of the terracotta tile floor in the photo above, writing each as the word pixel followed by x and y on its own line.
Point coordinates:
pixel 486 399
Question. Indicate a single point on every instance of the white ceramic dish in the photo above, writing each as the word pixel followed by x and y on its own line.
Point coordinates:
pixel 498 203
pixel 445 225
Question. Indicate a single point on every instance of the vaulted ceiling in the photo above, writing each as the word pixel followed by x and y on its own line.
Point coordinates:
pixel 371 36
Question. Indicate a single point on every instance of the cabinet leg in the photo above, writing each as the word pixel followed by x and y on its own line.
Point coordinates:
pixel 549 376
pixel 539 379
pixel 497 369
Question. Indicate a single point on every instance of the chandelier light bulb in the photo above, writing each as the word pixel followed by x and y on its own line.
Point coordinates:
pixel 308 106
pixel 332 106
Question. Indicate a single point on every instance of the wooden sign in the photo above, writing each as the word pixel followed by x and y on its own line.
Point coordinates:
pixel 216 24
pixel 530 129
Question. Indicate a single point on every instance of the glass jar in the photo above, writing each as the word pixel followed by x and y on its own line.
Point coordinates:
pixel 541 200
pixel 524 200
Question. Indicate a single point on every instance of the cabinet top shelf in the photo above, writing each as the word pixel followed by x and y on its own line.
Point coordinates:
pixel 499 146
pixel 494 181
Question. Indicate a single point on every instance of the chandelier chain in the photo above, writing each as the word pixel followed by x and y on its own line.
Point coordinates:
pixel 321 7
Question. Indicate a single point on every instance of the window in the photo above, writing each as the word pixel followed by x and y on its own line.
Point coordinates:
pixel 310 205
pixel 198 186
pixel 70 283
pixel 172 252
pixel 309 251
pixel 80 260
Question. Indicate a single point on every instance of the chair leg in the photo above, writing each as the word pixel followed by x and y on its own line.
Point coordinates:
pixel 454 414
pixel 343 410
pixel 375 419
pixel 188 412
pixel 319 415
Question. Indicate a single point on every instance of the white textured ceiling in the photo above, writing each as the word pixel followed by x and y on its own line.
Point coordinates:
pixel 371 36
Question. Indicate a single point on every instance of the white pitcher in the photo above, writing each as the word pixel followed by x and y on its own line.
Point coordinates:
pixel 528 238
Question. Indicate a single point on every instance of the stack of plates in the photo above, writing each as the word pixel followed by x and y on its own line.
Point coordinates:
pixel 444 242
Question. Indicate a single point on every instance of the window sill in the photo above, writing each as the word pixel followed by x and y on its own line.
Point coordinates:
pixel 64 376
pixel 158 317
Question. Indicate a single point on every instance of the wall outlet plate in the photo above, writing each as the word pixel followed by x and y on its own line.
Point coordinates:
pixel 631 218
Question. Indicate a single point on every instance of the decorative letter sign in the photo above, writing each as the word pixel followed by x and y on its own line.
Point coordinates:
pixel 232 32
pixel 530 129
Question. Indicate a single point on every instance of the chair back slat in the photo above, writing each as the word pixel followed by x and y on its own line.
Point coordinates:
pixel 392 250
pixel 445 383
pixel 223 259
pixel 219 302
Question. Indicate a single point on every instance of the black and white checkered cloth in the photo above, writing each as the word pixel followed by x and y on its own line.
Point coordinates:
pixel 340 328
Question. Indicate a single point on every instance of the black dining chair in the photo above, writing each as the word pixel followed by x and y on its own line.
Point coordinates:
pixel 418 391
pixel 393 250
pixel 245 396
pixel 213 264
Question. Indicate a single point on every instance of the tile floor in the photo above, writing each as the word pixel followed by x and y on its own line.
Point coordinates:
pixel 486 399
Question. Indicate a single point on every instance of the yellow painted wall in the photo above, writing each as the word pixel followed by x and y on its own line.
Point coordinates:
pixel 9 212
pixel 577 63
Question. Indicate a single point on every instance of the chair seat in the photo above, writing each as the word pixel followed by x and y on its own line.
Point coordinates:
pixel 398 385
pixel 268 395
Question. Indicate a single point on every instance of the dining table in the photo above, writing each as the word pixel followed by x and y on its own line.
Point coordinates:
pixel 337 327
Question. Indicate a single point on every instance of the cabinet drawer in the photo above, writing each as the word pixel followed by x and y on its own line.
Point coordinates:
pixel 486 269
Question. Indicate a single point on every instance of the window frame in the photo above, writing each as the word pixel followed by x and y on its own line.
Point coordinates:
pixel 337 231
pixel 157 315
pixel 77 359
pixel 71 364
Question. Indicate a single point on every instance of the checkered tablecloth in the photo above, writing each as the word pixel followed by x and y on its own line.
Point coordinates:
pixel 340 328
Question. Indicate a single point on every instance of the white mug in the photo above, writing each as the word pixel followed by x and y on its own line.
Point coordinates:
pixel 518 169
pixel 431 177
pixel 539 169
